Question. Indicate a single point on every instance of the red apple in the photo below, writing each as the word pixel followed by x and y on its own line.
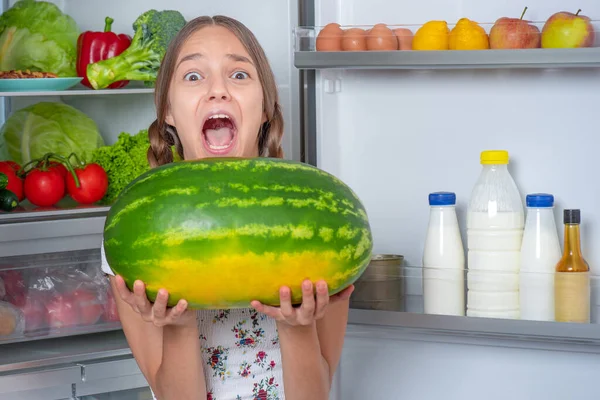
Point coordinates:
pixel 110 309
pixel 14 286
pixel 564 30
pixel 514 33
pixel 90 307
pixel 36 315
pixel 63 311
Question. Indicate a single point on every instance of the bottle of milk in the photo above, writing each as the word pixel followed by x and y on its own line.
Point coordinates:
pixel 443 258
pixel 495 220
pixel 540 252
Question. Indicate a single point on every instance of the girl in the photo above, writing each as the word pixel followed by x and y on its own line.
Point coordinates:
pixel 216 96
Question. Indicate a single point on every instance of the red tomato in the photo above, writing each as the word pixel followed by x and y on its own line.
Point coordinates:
pixel 44 188
pixel 16 167
pixel 59 167
pixel 93 183
pixel 15 184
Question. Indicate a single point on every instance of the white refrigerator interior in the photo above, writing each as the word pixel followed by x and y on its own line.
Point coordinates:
pixel 397 135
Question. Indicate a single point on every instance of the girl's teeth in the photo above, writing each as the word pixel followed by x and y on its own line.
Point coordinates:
pixel 218 116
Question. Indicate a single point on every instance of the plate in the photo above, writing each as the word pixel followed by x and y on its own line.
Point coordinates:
pixel 37 84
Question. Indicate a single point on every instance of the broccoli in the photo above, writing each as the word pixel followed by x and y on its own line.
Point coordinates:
pixel 154 30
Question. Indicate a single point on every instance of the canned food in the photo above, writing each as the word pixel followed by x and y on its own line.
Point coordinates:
pixel 381 286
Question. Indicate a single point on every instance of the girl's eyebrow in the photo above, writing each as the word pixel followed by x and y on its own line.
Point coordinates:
pixel 198 56
pixel 240 58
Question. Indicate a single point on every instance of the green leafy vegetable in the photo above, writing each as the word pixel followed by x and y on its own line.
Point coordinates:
pixel 49 127
pixel 38 36
pixel 154 30
pixel 123 161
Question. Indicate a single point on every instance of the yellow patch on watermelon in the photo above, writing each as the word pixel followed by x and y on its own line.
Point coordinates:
pixel 232 281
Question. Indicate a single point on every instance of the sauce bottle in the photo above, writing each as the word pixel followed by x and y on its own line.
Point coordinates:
pixel 572 276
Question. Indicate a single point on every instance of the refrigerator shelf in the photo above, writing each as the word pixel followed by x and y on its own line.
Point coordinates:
pixel 78 91
pixel 525 334
pixel 449 59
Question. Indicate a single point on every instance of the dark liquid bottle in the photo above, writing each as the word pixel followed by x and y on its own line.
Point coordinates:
pixel 572 276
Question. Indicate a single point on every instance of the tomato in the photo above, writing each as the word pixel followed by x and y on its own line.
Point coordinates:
pixel 15 184
pixel 44 188
pixel 93 183
pixel 59 167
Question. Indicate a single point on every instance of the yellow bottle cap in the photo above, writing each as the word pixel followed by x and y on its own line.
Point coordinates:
pixel 494 157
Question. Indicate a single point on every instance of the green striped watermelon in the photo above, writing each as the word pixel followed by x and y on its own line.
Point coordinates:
pixel 222 232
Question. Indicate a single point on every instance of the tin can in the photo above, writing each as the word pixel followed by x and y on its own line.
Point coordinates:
pixel 381 286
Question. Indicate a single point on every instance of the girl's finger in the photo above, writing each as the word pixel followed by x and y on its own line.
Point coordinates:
pixel 269 311
pixel 307 309
pixel 141 301
pixel 177 311
pixel 159 309
pixel 285 298
pixel 123 290
pixel 343 295
pixel 322 299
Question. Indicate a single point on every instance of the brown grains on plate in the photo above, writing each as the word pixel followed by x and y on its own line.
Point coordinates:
pixel 26 74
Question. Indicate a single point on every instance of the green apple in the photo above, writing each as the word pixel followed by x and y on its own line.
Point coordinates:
pixel 565 30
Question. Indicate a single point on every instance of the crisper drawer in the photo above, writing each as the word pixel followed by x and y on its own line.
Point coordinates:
pixel 55 294
pixel 110 379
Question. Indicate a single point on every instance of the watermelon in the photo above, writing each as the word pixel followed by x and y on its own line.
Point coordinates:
pixel 222 232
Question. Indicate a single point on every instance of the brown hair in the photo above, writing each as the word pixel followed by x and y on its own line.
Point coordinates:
pixel 162 135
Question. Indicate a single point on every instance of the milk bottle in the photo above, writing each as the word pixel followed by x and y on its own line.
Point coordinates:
pixel 443 258
pixel 495 221
pixel 540 252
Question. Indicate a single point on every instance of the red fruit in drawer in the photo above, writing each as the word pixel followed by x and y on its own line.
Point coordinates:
pixel 110 309
pixel 63 311
pixel 90 306
pixel 14 287
pixel 36 315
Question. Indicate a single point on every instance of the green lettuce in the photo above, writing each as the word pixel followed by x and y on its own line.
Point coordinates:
pixel 38 36
pixel 49 127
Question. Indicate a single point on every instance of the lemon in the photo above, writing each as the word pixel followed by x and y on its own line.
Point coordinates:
pixel 433 35
pixel 468 35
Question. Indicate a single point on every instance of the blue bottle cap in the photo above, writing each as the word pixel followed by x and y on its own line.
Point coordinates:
pixel 540 200
pixel 442 199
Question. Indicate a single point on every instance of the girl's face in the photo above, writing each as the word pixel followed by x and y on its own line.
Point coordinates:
pixel 215 97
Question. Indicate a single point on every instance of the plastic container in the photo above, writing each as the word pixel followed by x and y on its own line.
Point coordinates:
pixel 540 252
pixel 495 221
pixel 443 258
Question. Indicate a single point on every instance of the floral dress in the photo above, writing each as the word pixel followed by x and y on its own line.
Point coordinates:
pixel 241 354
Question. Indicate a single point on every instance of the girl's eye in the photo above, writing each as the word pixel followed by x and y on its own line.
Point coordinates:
pixel 240 75
pixel 192 76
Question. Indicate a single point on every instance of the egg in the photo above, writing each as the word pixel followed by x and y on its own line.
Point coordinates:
pixel 381 38
pixel 405 38
pixel 354 39
pixel 330 38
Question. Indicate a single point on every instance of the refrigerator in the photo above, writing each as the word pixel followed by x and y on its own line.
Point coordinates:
pixel 394 126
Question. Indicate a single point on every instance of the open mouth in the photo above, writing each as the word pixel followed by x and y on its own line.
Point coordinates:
pixel 219 133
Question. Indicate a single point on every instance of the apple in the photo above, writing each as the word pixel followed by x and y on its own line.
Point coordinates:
pixel 514 33
pixel 90 307
pixel 63 311
pixel 565 30
pixel 111 314
pixel 36 315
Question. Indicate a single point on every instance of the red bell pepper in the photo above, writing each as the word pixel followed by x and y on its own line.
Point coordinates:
pixel 97 46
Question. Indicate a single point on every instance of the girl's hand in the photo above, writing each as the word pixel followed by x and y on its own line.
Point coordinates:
pixel 156 313
pixel 310 311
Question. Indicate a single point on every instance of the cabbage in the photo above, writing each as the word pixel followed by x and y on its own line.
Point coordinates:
pixel 49 127
pixel 36 35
